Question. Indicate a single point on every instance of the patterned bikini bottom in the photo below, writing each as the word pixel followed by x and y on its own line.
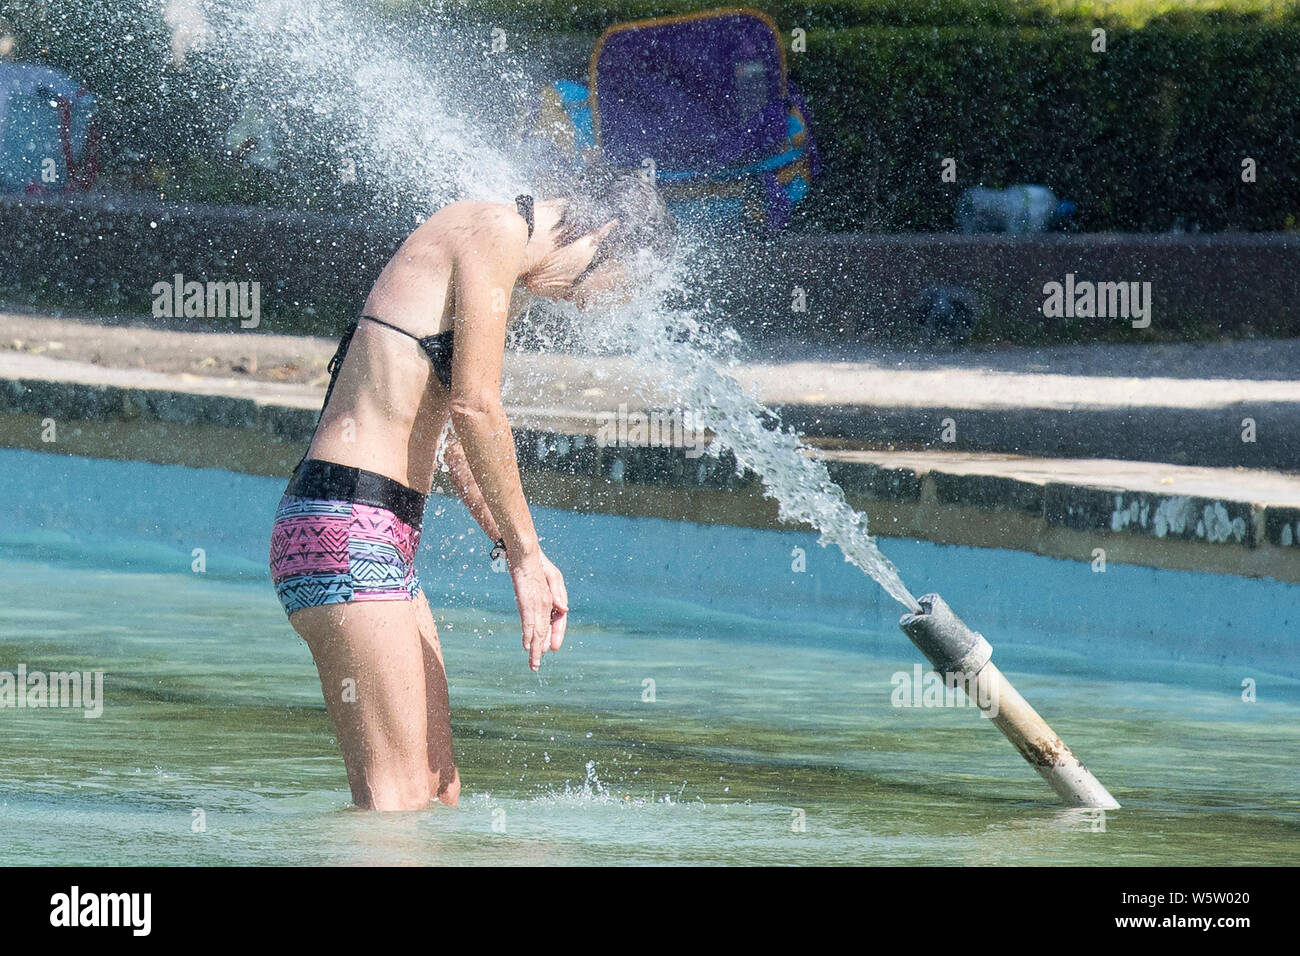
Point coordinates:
pixel 344 534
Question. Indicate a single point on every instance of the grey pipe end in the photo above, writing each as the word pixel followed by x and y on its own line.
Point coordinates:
pixel 949 645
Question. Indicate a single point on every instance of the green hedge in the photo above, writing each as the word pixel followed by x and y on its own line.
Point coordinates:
pixel 1146 136
pixel 814 14
pixel 1149 135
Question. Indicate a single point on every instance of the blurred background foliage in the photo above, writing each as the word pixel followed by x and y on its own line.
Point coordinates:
pixel 836 14
pixel 1148 136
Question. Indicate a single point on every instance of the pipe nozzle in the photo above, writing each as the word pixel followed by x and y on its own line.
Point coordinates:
pixel 945 640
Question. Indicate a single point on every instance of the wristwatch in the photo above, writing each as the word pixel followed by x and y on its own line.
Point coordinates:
pixel 498 548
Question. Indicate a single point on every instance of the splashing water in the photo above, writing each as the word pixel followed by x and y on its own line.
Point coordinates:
pixel 430 132
pixel 407 125
pixel 593 790
pixel 684 356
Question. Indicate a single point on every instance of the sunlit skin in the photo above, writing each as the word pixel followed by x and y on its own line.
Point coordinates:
pixel 469 267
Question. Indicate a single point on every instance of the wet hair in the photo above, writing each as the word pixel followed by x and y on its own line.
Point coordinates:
pixel 602 192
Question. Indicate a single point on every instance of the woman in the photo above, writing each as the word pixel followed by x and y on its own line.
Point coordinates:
pixel 424 363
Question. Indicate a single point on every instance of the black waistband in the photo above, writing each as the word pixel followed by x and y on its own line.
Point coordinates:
pixel 315 478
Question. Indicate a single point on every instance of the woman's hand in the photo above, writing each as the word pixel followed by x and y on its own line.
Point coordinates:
pixel 543 605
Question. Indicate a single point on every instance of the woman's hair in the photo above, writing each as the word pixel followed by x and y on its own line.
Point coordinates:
pixel 601 193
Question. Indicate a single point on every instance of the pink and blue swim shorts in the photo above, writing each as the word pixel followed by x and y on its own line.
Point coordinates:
pixel 344 534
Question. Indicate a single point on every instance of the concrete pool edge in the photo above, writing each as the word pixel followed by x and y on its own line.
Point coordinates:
pixel 1222 521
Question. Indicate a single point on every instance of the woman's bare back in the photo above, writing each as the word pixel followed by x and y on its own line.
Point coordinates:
pixel 388 407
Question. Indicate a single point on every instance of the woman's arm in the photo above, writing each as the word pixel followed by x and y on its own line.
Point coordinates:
pixel 484 273
pixel 485 268
pixel 462 480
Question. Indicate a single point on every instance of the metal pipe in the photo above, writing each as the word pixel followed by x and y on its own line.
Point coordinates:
pixel 963 656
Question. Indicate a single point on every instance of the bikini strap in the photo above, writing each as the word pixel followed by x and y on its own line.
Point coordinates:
pixel 371 318
pixel 524 203
pixel 335 363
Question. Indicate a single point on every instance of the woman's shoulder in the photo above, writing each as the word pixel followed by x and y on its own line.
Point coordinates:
pixel 475 229
pixel 478 216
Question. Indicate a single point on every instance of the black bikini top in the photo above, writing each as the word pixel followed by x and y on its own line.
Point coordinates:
pixel 437 347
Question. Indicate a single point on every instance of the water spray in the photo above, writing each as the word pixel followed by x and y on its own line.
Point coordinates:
pixel 805 493
pixel 429 138
pixel 965 656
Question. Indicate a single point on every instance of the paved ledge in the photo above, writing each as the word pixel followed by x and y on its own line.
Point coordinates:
pixel 1179 403
pixel 1107 412
pixel 1231 507
pixel 1234 521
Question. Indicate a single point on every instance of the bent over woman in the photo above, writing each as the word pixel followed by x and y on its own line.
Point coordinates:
pixel 426 351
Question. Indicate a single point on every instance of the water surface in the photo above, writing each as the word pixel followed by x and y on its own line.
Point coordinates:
pixel 771 713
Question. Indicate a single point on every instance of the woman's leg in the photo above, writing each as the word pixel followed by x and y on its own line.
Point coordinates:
pixel 444 780
pixel 371 660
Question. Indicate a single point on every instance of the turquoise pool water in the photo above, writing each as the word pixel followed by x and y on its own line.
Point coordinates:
pixel 771 737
